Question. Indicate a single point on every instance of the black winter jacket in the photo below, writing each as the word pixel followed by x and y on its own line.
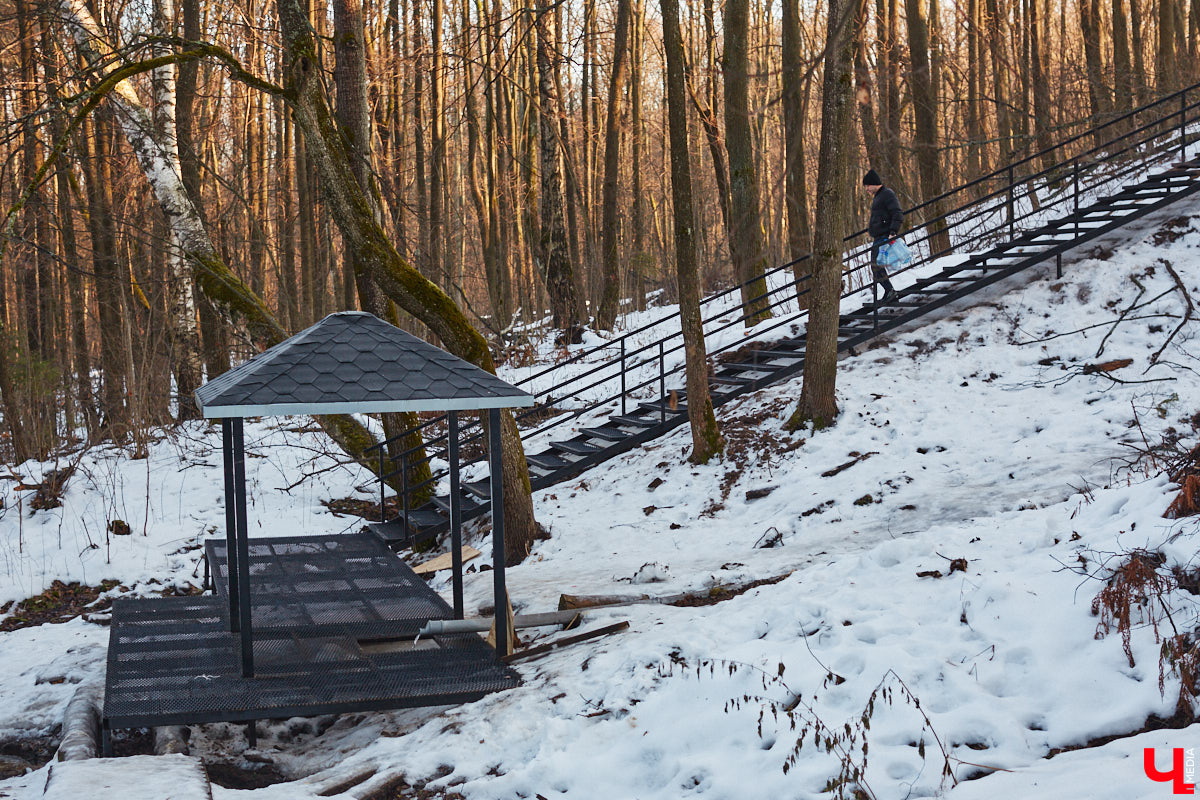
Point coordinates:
pixel 886 216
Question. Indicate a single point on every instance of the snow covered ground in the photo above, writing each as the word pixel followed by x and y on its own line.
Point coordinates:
pixel 972 436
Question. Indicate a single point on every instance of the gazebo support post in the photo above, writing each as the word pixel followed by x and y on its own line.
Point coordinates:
pixel 455 512
pixel 243 548
pixel 231 556
pixel 496 465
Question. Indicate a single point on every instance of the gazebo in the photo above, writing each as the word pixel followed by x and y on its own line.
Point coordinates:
pixel 308 625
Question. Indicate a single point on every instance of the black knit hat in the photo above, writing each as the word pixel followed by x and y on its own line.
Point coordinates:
pixel 872 178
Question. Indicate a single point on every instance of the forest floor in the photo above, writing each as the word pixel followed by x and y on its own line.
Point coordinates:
pixel 993 471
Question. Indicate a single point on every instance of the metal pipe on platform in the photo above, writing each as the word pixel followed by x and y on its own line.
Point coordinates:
pixel 437 627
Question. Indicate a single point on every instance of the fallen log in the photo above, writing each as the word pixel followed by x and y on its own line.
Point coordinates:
pixel 709 596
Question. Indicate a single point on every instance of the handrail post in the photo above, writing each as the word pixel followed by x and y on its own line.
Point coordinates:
pixel 382 508
pixel 1075 179
pixel 662 384
pixel 622 376
pixel 404 489
pixel 1011 205
pixel 1183 125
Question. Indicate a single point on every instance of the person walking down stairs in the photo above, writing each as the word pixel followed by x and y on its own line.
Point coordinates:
pixel 885 223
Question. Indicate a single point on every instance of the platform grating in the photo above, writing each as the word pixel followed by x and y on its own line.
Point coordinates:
pixel 334 619
pixel 352 582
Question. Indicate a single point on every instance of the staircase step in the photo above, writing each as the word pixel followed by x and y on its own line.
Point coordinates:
pixel 547 462
pixel 633 422
pixel 395 532
pixel 576 448
pixel 751 367
pixel 481 489
pixel 767 364
pixel 466 504
pixel 608 433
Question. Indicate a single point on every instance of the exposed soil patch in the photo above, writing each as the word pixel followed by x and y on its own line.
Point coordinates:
pixel 244 774
pixel 357 507
pixel 16 755
pixel 745 354
pixel 133 742
pixel 401 789
pixel 1171 230
pixel 1153 723
pixel 751 440
pixel 59 603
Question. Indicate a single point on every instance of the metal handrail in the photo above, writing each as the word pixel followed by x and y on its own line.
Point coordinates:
pixel 655 351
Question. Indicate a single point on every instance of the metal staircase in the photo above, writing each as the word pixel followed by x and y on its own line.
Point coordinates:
pixel 1028 213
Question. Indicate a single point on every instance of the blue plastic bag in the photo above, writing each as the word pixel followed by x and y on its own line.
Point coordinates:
pixel 895 254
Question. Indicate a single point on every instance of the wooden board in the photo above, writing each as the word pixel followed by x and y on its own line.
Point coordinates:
pixel 445 561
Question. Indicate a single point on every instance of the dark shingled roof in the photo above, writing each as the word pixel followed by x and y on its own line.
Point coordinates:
pixel 354 362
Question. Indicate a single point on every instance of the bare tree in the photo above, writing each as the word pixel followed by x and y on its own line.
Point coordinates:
pixel 610 291
pixel 746 241
pixel 926 113
pixel 818 395
pixel 706 435
pixel 795 88
pixel 554 255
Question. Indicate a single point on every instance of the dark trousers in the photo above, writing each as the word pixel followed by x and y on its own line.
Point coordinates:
pixel 878 270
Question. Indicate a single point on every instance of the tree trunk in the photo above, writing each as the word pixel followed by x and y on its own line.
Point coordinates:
pixel 354 122
pixel 707 112
pixel 1122 62
pixel 610 293
pixel 864 89
pixel 215 278
pixel 110 288
pixel 794 91
pixel 643 265
pixel 746 242
pixel 974 120
pixel 554 253
pixel 1141 85
pixel 997 36
pixel 1041 89
pixel 363 236
pixel 891 77
pixel 437 130
pixel 182 337
pixel 1166 69
pixel 1089 23
pixel 706 436
pixel 926 114
pixel 498 300
pixel 80 362
pixel 818 398
pixel 213 348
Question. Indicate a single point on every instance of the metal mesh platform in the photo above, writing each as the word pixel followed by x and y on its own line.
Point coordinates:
pixel 351 582
pixel 173 661
pixel 333 620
